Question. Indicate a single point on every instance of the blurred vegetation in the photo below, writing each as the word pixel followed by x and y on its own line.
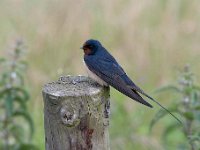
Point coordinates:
pixel 149 38
pixel 14 116
pixel 188 106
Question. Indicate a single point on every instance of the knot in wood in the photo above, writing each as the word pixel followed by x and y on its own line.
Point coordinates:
pixel 76 114
pixel 69 116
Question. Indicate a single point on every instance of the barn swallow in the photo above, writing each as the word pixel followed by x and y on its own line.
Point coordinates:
pixel 104 69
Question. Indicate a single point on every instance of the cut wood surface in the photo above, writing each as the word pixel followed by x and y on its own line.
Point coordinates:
pixel 76 114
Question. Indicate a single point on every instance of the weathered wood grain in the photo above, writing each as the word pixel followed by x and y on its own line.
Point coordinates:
pixel 76 114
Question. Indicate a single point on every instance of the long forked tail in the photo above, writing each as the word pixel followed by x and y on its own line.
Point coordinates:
pixel 135 88
pixel 163 108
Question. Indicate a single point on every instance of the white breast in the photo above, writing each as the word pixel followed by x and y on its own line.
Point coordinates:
pixel 94 76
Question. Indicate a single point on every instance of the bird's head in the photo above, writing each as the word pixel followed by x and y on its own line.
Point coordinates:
pixel 91 46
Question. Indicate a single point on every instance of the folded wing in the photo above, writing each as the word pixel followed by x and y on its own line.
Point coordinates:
pixel 109 70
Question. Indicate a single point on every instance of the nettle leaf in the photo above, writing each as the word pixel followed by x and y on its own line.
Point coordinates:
pixel 193 138
pixel 195 97
pixel 196 107
pixel 26 146
pixel 188 90
pixel 17 132
pixel 5 92
pixel 5 78
pixel 21 102
pixel 13 98
pixel 188 115
pixel 22 93
pixel 2 93
pixel 168 88
pixel 160 114
pixel 9 105
pixel 169 129
pixel 15 94
pixel 27 117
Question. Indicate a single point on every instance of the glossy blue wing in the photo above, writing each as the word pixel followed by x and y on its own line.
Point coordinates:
pixel 109 70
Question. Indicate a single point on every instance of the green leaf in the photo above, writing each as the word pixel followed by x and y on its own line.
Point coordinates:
pixel 188 115
pixel 21 102
pixel 169 129
pixel 26 146
pixel 22 93
pixel 160 114
pixel 17 93
pixel 168 88
pixel 3 92
pixel 195 97
pixel 9 105
pixel 17 132
pixel 193 138
pixel 188 90
pixel 27 117
pixel 5 77
pixel 196 107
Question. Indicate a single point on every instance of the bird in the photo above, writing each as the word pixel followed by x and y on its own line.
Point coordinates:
pixel 102 67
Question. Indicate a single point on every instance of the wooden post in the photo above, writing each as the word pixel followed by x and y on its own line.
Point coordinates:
pixel 76 114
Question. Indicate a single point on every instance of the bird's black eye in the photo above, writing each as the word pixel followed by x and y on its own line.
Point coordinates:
pixel 90 46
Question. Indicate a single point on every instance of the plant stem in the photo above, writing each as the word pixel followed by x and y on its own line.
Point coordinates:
pixel 189 133
pixel 188 125
pixel 6 135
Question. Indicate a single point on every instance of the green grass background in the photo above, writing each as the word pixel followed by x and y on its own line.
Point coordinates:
pixel 151 39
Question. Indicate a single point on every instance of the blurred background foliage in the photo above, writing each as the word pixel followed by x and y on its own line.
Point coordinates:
pixel 16 124
pixel 186 105
pixel 151 39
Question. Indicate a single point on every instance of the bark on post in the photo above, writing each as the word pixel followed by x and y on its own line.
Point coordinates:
pixel 76 114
